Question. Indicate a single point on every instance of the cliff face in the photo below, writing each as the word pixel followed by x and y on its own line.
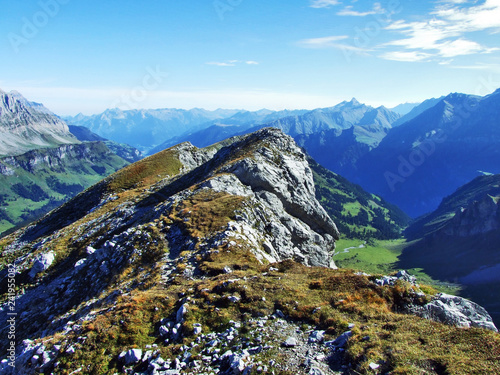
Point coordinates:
pixel 479 217
pixel 55 158
pixel 25 126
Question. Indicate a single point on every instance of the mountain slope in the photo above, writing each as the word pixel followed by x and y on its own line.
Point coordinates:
pixel 165 266
pixel 463 233
pixel 218 130
pixel 336 137
pixel 357 213
pixel 26 125
pixel 404 108
pixel 339 150
pixel 417 110
pixel 427 158
pixel 342 116
pixel 476 190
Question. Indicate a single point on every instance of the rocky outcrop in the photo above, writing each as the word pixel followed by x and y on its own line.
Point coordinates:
pixel 479 217
pixel 25 126
pixel 280 182
pixel 456 311
pixel 280 217
pixel 443 308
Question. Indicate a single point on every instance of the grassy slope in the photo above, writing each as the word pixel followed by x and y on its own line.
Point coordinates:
pixel 383 257
pixel 326 299
pixel 357 213
pixel 430 251
pixel 48 187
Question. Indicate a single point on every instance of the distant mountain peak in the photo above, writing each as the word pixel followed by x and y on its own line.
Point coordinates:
pixel 26 125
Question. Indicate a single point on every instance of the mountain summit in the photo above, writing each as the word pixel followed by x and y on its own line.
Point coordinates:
pixel 25 126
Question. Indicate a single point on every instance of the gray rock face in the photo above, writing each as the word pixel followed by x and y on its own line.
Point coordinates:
pixel 391 280
pixel 25 126
pixel 479 217
pixel 281 218
pixel 42 262
pixel 455 311
pixel 191 157
pixel 280 182
pixel 130 356
pixel 290 342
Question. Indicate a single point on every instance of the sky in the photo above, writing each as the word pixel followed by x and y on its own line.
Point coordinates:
pixel 86 56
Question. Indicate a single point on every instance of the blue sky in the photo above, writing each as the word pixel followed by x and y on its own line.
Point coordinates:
pixel 86 56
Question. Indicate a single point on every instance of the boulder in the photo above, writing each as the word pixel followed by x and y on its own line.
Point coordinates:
pixel 340 341
pixel 181 312
pixel 131 356
pixel 455 311
pixel 316 336
pixel 42 262
pixel 290 342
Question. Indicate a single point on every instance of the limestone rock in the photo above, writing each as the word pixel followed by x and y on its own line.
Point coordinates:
pixel 130 356
pixel 455 311
pixel 290 342
pixel 42 262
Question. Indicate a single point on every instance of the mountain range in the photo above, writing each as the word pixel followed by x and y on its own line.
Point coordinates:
pixel 427 158
pixel 145 129
pixel 338 118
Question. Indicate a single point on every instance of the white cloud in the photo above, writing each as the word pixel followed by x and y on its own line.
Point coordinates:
pixel 220 63
pixel 412 56
pixel 443 36
pixel 349 11
pixel 323 42
pixel 332 42
pixel 454 1
pixel 232 63
pixel 476 18
pixel 461 47
pixel 323 3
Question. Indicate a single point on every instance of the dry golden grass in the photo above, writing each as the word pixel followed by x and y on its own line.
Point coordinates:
pixel 146 171
pixel 206 212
